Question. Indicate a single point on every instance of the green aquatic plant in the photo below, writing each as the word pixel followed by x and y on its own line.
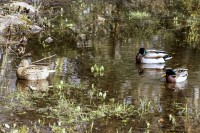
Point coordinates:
pixel 172 119
pixel 130 130
pixel 144 107
pixel 97 70
pixel 70 111
pixel 139 15
pixel 176 21
pixel 187 111
pixel 57 129
pixel 22 101
pixel 103 94
pixel 148 124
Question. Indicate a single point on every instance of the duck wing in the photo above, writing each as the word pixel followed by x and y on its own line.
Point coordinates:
pixel 152 60
pixel 36 69
pixel 181 72
pixel 155 53
pixel 35 73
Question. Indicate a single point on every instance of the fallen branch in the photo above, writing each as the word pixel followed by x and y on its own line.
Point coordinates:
pixel 44 59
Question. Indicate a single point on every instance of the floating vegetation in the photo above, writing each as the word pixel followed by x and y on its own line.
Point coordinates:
pixel 69 112
pixel 59 105
pixel 68 105
pixel 139 15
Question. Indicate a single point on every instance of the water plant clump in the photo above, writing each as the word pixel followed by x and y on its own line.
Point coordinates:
pixel 139 15
pixel 59 105
pixel 97 70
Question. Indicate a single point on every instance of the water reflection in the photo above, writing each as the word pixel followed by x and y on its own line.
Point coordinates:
pixel 121 79
pixel 196 97
pixel 128 100
pixel 64 66
pixel 150 68
pixel 38 85
pixel 177 86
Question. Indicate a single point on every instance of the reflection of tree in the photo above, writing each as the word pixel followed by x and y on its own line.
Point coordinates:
pixel 7 75
pixel 100 19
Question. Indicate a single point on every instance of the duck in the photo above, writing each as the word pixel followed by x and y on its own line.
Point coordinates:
pixel 176 75
pixel 152 56
pixel 25 71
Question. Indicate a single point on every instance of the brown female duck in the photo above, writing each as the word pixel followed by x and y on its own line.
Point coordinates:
pixel 32 72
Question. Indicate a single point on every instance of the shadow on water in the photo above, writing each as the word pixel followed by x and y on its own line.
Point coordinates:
pixel 113 44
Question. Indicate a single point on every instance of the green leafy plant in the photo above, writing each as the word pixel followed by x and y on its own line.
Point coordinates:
pixel 97 70
pixel 139 15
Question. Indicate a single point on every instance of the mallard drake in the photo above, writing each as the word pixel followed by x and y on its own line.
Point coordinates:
pixel 152 56
pixel 176 75
pixel 32 72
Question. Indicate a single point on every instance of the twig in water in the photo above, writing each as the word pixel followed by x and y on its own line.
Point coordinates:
pixel 44 59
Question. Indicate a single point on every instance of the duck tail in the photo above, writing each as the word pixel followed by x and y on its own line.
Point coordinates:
pixel 167 57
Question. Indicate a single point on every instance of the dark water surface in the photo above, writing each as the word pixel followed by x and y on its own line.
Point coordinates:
pixel 123 79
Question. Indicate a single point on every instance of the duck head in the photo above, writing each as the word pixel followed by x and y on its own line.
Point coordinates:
pixel 170 72
pixel 170 76
pixel 24 63
pixel 142 51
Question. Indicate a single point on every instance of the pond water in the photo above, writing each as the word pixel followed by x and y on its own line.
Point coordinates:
pixel 123 79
